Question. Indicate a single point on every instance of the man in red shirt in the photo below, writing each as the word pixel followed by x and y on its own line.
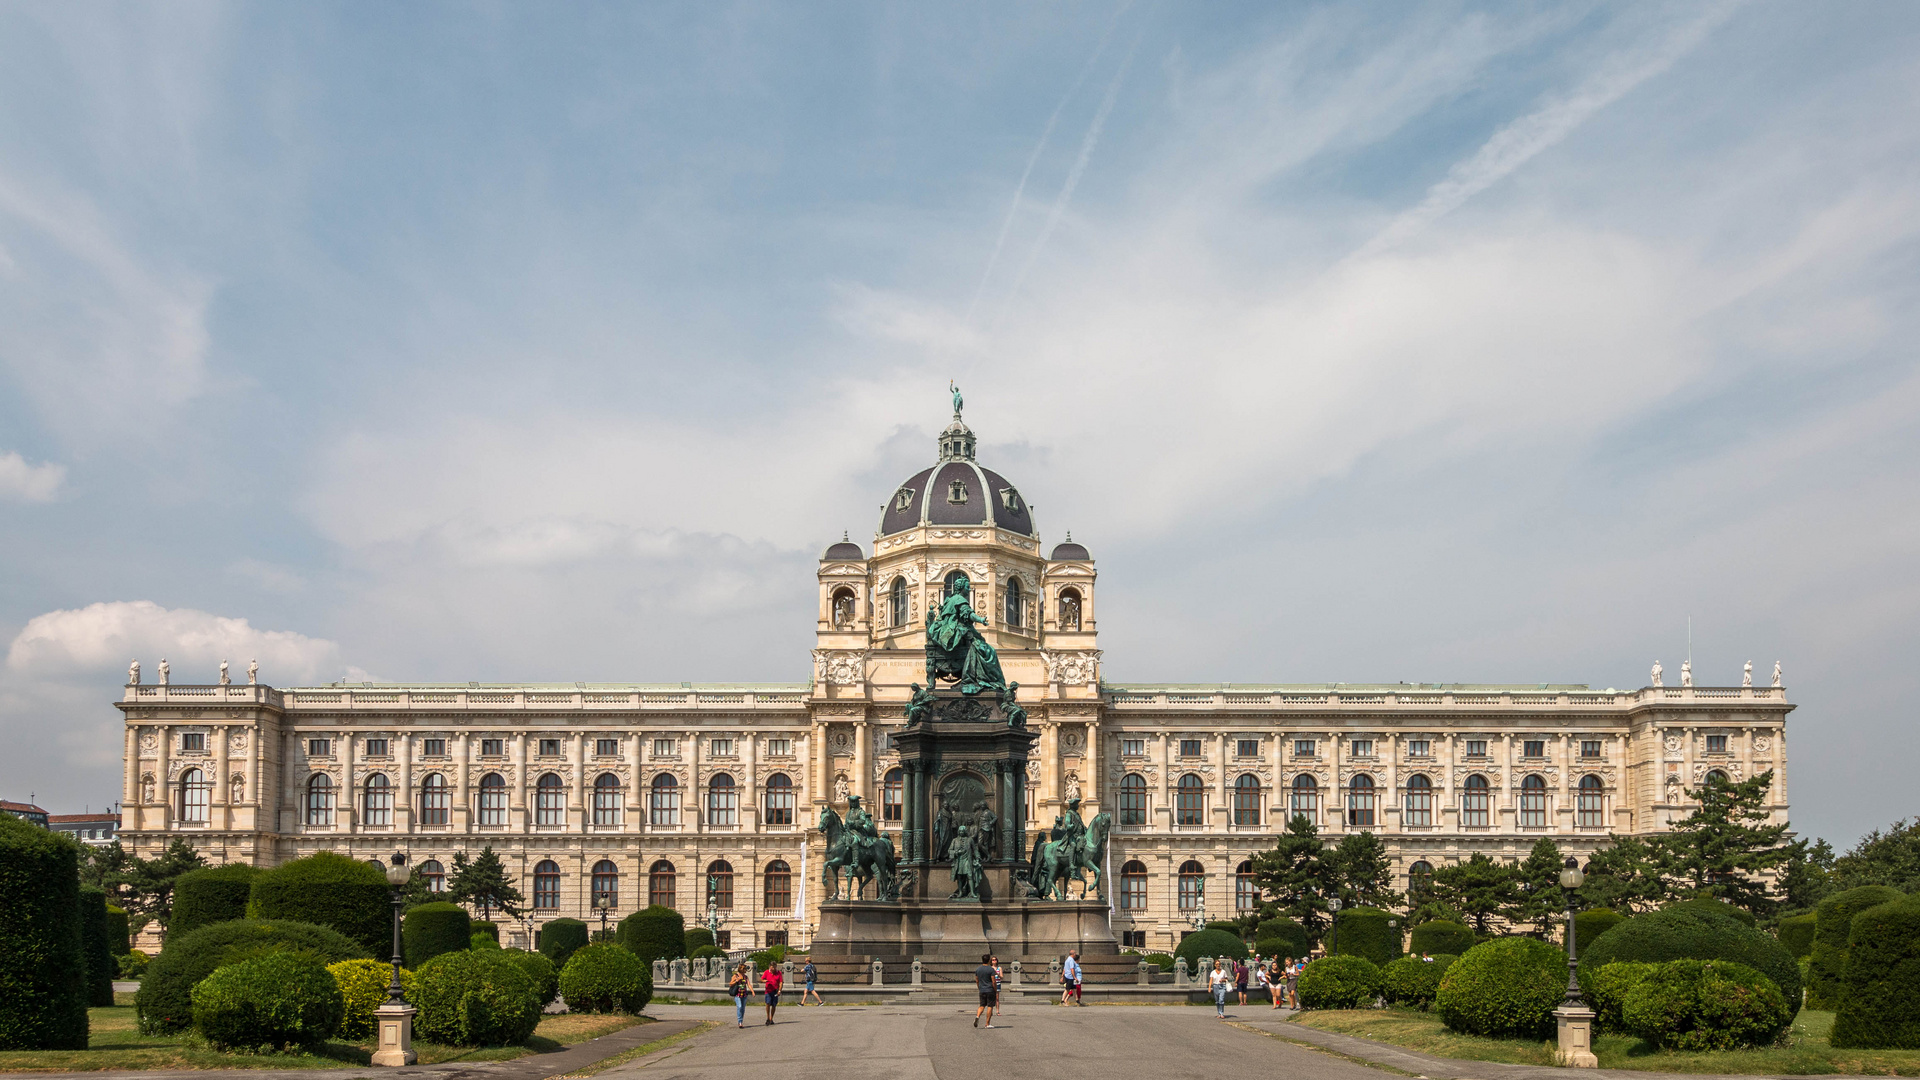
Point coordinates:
pixel 770 981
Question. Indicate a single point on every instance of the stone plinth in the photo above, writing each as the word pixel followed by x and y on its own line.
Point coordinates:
pixel 963 928
pixel 393 1034
pixel 1576 1037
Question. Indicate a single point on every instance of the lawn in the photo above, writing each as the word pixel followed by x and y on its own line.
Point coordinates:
pixel 1806 1052
pixel 116 1043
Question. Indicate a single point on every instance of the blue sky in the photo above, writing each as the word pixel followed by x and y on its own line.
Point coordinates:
pixel 1359 342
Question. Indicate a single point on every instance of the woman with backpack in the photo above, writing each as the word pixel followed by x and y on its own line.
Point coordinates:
pixel 740 987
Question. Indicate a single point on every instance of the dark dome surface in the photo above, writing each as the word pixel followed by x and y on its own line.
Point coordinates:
pixel 957 493
pixel 843 550
pixel 1069 551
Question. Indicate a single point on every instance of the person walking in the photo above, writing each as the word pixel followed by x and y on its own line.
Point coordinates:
pixel 1240 980
pixel 811 973
pixel 1219 980
pixel 983 980
pixel 1070 976
pixel 770 981
pixel 1293 983
pixel 994 962
pixel 740 987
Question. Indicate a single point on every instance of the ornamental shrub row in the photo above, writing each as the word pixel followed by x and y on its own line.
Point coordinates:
pixel 1344 981
pixel 1414 980
pixel 546 977
pixel 606 978
pixel 1694 1005
pixel 328 889
pixel 363 988
pixel 1694 930
pixel 211 894
pixel 1880 991
pixel 165 1002
pixel 654 933
pixel 434 928
pixel 1442 937
pixel 43 969
pixel 95 947
pixel 1593 922
pixel 1367 931
pixel 1833 926
pixel 278 1000
pixel 1282 937
pixel 560 938
pixel 1504 988
pixel 476 998
pixel 1607 992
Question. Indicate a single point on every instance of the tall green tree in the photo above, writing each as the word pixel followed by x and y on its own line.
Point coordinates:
pixel 1362 872
pixel 1298 875
pixel 1890 858
pixel 1478 888
pixel 105 867
pixel 1538 897
pixel 1807 877
pixel 1626 876
pixel 148 883
pixel 1724 847
pixel 482 884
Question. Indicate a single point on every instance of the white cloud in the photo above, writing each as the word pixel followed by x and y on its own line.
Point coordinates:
pixel 22 482
pixel 105 636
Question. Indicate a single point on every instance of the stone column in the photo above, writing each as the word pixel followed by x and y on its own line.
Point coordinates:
pixel 577 791
pixel 403 797
pixel 1222 801
pixel 1094 764
pixel 860 766
pixel 634 819
pixel 219 816
pixel 290 818
pixel 519 817
pixel 349 808
pixel 130 771
pixel 462 779
pixel 162 783
pixel 749 782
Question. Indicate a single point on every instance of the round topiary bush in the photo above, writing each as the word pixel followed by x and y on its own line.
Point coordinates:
pixel 278 1000
pixel 1442 937
pixel 696 936
pixel 1833 925
pixel 43 968
pixel 102 966
pixel 1413 980
pixel 766 958
pixel 119 931
pixel 1705 1005
pixel 1796 933
pixel 1608 992
pixel 559 939
pixel 165 1002
pixel 1590 924
pixel 546 977
pixel 1339 982
pixel 606 978
pixel 654 933
pixel 1214 943
pixel 475 999
pixel 1693 932
pixel 480 940
pixel 363 988
pixel 1504 988
pixel 1159 959
pixel 1880 1001
pixel 707 951
pixel 211 894
pixel 481 926
pixel 1282 937
pixel 134 964
pixel 1365 931
pixel 328 889
pixel 431 929
pixel 1703 905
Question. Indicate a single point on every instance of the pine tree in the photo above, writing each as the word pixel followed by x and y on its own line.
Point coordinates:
pixel 1362 872
pixel 483 884
pixel 149 882
pixel 1726 844
pixel 1882 858
pixel 1808 876
pixel 1297 874
pixel 1478 888
pixel 1537 880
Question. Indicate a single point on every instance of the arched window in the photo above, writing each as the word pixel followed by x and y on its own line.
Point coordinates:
pixel 434 800
pixel 1591 806
pixel 1246 800
pixel 947 584
pixel 1245 896
pixel 1193 885
pixel 1715 776
pixel 1533 802
pixel 1133 799
pixel 1306 797
pixel 1419 801
pixel 723 800
pixel 1014 603
pixel 1191 800
pixel 606 883
pixel 196 796
pixel 378 798
pixel 1133 886
pixel 1420 876
pixel 893 790
pixel 720 884
pixel 608 807
pixel 1069 609
pixel 546 885
pixel 1360 801
pixel 779 799
pixel 433 876
pixel 493 799
pixel 549 800
pixel 897 603
pixel 664 800
pixel 660 884
pixel 319 799
pixel 843 608
pixel 1473 802
pixel 778 887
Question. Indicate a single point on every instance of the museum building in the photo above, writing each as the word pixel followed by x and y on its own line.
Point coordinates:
pixel 609 797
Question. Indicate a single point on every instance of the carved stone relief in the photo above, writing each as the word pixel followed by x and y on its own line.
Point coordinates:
pixel 1072 668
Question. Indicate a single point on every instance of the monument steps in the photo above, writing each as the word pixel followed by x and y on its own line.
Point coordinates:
pixel 897 970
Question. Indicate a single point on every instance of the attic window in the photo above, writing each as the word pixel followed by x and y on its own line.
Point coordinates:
pixel 903 499
pixel 957 491
pixel 1010 499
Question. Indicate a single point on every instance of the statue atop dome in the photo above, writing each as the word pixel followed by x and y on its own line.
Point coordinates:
pixel 958 402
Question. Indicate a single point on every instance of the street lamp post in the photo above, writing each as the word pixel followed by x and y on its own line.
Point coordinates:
pixel 393 1021
pixel 1574 1019
pixel 603 904
pixel 1333 938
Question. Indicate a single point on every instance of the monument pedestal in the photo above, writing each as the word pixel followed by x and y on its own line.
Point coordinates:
pixel 963 928
pixel 1576 1037
pixel 393 1034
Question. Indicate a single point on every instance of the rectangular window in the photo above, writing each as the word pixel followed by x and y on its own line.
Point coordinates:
pixel 723 748
pixel 1476 748
pixel 663 748
pixel 195 740
pixel 1189 747
pixel 1419 748
pixel 1533 748
pixel 1303 748
pixel 723 938
pixel 606 748
pixel 776 937
pixel 549 747
pixel 433 747
pixel 1716 744
pixel 1248 748
pixel 376 748
pixel 1590 748
pixel 493 748
pixel 1133 747
pixel 779 747
pixel 1134 939
pixel 319 747
pixel 1362 747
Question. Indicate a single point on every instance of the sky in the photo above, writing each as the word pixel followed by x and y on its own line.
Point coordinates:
pixel 1358 342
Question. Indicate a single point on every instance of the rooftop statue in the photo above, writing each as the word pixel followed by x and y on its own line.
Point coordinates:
pixel 955 650
pixel 958 403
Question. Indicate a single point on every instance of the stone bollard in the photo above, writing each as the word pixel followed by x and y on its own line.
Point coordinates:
pixel 1575 1023
pixel 679 972
pixel 916 971
pixel 786 972
pixel 1019 969
pixel 879 973
pixel 1053 973
pixel 1145 971
pixel 659 973
pixel 1180 979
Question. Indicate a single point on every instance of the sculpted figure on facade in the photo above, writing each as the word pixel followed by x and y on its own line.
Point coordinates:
pixel 165 671
pixel 253 673
pixel 1686 673
pixel 133 673
pixel 225 678
pixel 1657 672
pixel 841 792
pixel 1746 674
pixel 1776 673
pixel 968 876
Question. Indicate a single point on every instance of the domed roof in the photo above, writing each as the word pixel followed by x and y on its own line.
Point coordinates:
pixel 957 491
pixel 845 550
pixel 1069 551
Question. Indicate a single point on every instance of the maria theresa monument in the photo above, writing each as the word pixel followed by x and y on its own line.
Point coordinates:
pixel 958 769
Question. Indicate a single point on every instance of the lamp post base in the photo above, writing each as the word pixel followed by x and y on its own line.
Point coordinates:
pixel 393 1031
pixel 1576 1037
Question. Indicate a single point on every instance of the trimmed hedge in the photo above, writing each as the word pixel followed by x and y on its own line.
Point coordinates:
pixel 165 1002
pixel 1593 922
pixel 560 938
pixel 491 929
pixel 1694 932
pixel 483 941
pixel 329 889
pixel 278 1000
pixel 1608 992
pixel 1414 981
pixel 705 952
pixel 546 977
pixel 1796 933
pixel 43 968
pixel 211 894
pixel 119 930
pixel 475 999
pixel 94 946
pixel 1282 937
pixel 1694 1005
pixel 1214 943
pixel 695 937
pixel 363 988
pixel 1880 1002
pixel 1442 937
pixel 431 929
pixel 654 933
pixel 1363 931
pixel 1339 982
pixel 1708 906
pixel 1159 959
pixel 1504 988
pixel 1833 923
pixel 134 964
pixel 607 978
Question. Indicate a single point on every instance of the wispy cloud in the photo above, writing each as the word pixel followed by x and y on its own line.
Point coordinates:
pixel 22 482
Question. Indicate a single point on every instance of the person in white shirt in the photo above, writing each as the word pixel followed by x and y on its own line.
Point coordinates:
pixel 1221 981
